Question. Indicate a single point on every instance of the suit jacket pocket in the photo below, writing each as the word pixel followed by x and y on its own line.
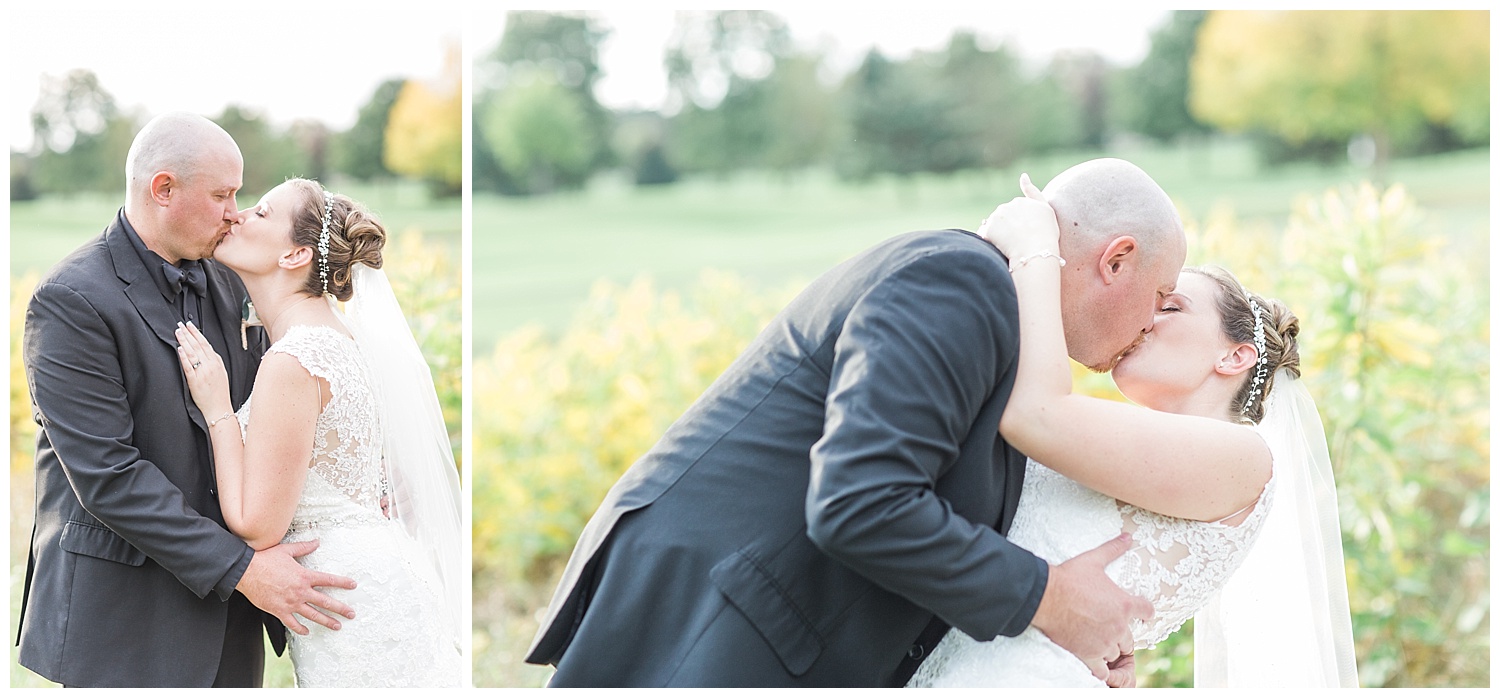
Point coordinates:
pixel 763 601
pixel 97 541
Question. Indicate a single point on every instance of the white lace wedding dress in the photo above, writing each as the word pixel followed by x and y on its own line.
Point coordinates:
pixel 398 637
pixel 1176 564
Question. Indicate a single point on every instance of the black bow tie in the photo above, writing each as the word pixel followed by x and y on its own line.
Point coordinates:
pixel 190 273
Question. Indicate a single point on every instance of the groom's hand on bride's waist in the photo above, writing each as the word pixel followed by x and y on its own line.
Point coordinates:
pixel 276 584
pixel 1084 612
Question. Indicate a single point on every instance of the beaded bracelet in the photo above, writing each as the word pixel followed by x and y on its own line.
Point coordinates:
pixel 1018 263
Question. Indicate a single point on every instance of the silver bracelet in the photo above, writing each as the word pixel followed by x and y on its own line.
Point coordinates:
pixel 220 418
pixel 1018 263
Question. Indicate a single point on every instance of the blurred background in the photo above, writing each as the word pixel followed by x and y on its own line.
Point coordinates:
pixel 650 187
pixel 368 106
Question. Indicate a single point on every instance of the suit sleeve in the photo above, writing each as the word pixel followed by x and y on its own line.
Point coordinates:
pixel 915 361
pixel 74 374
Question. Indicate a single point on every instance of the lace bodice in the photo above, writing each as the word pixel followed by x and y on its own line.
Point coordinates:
pixel 346 438
pixel 1176 564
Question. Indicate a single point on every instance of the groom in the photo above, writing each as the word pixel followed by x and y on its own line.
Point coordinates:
pixel 133 579
pixel 838 497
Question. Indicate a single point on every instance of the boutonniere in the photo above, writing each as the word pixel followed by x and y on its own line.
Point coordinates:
pixel 248 319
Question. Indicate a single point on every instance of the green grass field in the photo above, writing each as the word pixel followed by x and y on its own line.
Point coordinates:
pixel 534 260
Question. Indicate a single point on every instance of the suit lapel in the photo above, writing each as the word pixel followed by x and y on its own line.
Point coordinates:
pixel 148 301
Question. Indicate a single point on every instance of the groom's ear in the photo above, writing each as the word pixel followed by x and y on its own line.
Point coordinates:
pixel 296 258
pixel 1240 358
pixel 1119 254
pixel 161 186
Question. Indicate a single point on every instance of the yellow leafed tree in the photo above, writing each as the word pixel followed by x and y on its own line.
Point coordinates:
pixel 1336 74
pixel 424 137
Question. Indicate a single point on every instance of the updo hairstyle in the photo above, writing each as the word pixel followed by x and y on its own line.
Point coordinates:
pixel 1239 325
pixel 354 237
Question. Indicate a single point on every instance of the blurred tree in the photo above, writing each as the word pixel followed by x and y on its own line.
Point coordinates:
pixel 539 134
pixel 1152 98
pixel 967 106
pixel 638 137
pixel 360 151
pixel 554 48
pixel 486 170
pixel 899 124
pixel 69 107
pixel 1083 75
pixel 653 168
pixel 424 136
pixel 709 52
pixel 803 114
pixel 732 135
pixel 1310 75
pixel 311 139
pixel 734 93
pixel 992 107
pixel 21 186
pixel 270 156
pixel 81 136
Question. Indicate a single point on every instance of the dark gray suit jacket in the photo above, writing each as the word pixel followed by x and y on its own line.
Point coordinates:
pixel 829 506
pixel 132 570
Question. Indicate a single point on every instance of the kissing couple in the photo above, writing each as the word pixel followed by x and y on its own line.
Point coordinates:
pixel 221 449
pixel 895 485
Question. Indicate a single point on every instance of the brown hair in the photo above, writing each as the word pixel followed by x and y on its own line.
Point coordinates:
pixel 1239 326
pixel 354 237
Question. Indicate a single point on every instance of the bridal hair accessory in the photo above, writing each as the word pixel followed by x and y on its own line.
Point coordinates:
pixel 1257 384
pixel 323 240
pixel 1017 264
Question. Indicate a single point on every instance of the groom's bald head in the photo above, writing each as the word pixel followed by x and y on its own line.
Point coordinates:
pixel 181 143
pixel 1102 199
pixel 1125 245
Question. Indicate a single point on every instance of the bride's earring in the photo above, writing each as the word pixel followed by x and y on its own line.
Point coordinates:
pixel 248 319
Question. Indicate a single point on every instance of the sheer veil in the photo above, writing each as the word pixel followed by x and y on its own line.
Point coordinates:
pixel 1282 619
pixel 424 493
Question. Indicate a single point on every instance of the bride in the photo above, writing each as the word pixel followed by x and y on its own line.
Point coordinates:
pixel 1232 449
pixel 341 441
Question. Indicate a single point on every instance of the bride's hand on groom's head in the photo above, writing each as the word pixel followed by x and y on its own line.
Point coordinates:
pixel 1025 225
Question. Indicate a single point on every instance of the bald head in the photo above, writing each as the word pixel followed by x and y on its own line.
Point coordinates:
pixel 177 142
pixel 1100 200
pixel 1125 246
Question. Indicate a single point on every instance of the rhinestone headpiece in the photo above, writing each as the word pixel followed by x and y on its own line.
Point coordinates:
pixel 323 240
pixel 1258 383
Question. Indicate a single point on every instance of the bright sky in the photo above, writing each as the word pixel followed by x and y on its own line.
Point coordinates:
pixel 632 55
pixel 303 59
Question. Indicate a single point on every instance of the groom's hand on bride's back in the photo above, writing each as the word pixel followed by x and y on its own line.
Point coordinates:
pixel 1084 612
pixel 278 585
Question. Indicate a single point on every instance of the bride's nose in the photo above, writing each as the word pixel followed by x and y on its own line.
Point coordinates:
pixel 242 215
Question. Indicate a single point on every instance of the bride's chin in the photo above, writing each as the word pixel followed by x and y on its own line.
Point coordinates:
pixel 1126 381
